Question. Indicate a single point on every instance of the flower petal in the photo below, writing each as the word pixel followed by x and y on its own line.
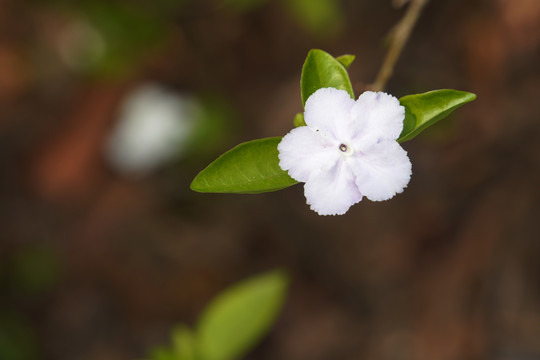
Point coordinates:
pixel 304 151
pixel 328 110
pixel 378 114
pixel 332 192
pixel 383 171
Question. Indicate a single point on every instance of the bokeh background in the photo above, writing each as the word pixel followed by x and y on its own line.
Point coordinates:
pixel 108 109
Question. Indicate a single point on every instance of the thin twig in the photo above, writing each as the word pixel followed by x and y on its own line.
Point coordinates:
pixel 399 37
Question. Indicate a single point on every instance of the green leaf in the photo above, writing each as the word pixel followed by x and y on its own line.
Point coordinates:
pixel 237 319
pixel 346 60
pixel 322 70
pixel 128 31
pixel 17 337
pixel 299 120
pixel 424 110
pixel 162 353
pixel 249 168
pixel 184 343
pixel 324 18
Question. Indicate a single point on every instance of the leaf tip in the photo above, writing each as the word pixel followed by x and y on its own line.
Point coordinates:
pixel 346 60
pixel 471 96
pixel 196 185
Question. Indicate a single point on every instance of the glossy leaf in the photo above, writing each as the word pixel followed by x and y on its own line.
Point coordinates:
pixel 346 60
pixel 323 70
pixel 237 319
pixel 249 168
pixel 424 110
pixel 299 120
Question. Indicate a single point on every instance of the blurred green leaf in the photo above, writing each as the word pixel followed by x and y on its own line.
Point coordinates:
pixel 320 17
pixel 128 30
pixel 162 353
pixel 35 269
pixel 184 343
pixel 346 60
pixel 215 123
pixel 299 120
pixel 17 338
pixel 236 320
pixel 322 70
pixel 249 168
pixel 424 110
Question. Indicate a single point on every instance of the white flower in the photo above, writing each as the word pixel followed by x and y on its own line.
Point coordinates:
pixel 154 127
pixel 347 150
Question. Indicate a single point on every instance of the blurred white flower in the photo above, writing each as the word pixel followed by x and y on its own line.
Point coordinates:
pixel 152 130
pixel 347 150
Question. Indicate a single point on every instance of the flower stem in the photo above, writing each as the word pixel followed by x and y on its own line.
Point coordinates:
pixel 399 36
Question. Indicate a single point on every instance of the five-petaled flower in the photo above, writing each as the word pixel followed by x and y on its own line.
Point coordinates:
pixel 347 150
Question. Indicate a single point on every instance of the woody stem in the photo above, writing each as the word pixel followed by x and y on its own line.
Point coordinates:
pixel 399 36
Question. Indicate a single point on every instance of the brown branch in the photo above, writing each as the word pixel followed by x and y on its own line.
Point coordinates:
pixel 400 35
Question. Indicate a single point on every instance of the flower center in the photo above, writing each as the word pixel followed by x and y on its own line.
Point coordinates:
pixel 346 149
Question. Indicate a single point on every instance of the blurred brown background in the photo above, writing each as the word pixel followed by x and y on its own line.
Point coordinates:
pixel 102 253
